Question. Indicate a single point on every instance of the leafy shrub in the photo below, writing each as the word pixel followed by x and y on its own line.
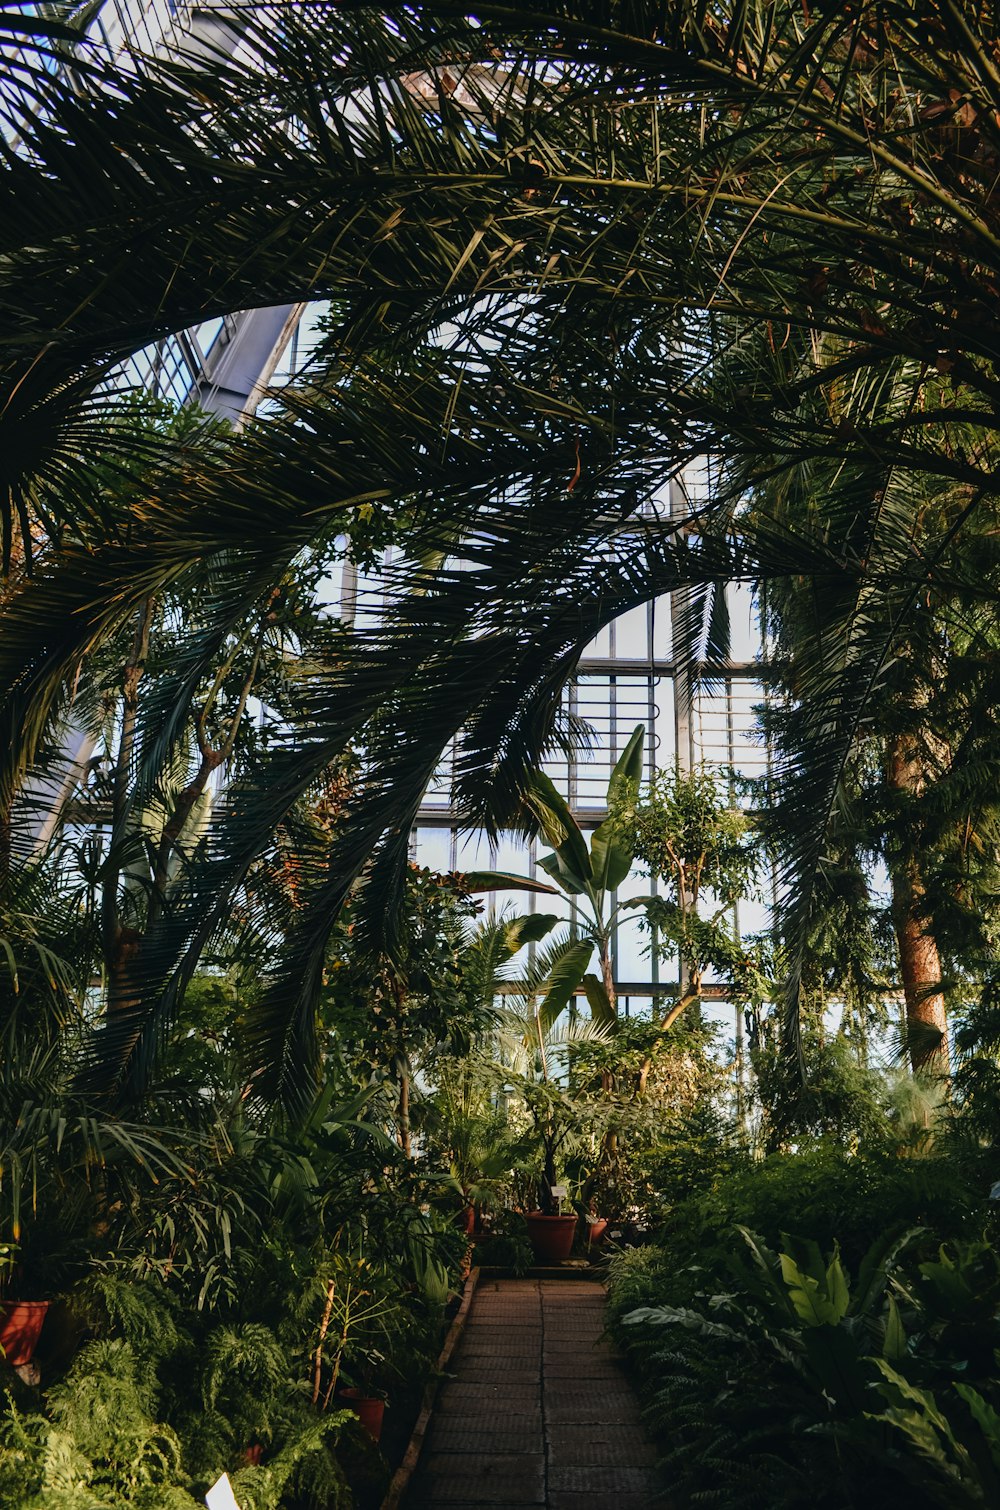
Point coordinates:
pixel 506 1246
pixel 781 1384
pixel 636 1274
pixel 826 1194
pixel 101 1447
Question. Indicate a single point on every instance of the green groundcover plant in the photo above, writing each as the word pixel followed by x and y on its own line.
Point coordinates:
pixel 788 1371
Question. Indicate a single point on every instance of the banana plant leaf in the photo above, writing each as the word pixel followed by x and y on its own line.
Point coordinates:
pixel 570 863
pixel 601 1009
pixel 503 880
pixel 530 928
pixel 611 857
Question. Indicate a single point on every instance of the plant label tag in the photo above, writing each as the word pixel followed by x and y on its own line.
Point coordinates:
pixel 221 1496
pixel 558 1192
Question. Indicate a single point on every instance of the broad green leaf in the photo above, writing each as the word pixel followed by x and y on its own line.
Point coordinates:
pixel 870 1284
pixel 628 770
pixel 920 1434
pixel 816 1302
pixel 502 880
pixel 837 1288
pixel 692 1320
pixel 924 1423
pixel 894 1345
pixel 550 808
pixel 610 856
pixel 558 826
pixel 600 1005
pixel 806 1255
pixel 922 1398
pixel 985 1416
pixel 767 1262
pixel 567 879
pixel 528 929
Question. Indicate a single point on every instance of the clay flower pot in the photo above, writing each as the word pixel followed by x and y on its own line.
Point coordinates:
pixel 20 1328
pixel 596 1231
pixel 367 1408
pixel 551 1237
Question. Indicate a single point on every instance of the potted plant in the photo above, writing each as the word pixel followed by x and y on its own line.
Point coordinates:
pixel 20 1320
pixel 597 1229
pixel 359 1310
pixel 555 1117
pixel 363 1397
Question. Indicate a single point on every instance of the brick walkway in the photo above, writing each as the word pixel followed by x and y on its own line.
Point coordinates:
pixel 539 1412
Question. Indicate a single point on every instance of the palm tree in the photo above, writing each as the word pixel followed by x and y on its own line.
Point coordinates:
pixel 921 761
pixel 835 171
pixel 99 569
pixel 643 241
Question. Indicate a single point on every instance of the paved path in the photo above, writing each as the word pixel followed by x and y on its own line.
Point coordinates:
pixel 539 1412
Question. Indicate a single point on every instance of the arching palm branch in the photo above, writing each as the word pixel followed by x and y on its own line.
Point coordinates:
pixel 699 236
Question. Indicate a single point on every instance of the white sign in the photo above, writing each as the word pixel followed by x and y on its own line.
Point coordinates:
pixel 558 1192
pixel 221 1496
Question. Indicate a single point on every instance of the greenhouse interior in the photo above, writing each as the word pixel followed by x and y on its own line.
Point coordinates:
pixel 500 781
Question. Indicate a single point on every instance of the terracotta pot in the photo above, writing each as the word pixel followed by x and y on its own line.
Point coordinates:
pixel 596 1231
pixel 368 1410
pixel 467 1220
pixel 551 1236
pixel 20 1328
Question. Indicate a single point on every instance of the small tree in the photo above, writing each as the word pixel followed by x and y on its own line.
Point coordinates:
pixel 702 851
pixel 397 1008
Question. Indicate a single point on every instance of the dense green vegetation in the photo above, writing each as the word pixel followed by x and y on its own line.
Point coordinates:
pixel 821 1329
pixel 259 1071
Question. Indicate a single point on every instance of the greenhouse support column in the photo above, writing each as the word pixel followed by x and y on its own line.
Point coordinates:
pixel 680 607
pixel 684 741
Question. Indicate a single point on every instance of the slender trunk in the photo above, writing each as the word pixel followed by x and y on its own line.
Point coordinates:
pixel 5 853
pixel 741 1073
pixel 121 942
pixel 688 998
pixel 404 1112
pixel 335 1370
pixel 547 1204
pixel 541 1046
pixel 608 977
pixel 919 957
pixel 324 1327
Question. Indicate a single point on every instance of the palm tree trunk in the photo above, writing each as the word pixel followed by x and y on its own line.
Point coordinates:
pixel 920 968
pixel 404 1112
pixel 919 957
pixel 5 852
pixel 121 941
